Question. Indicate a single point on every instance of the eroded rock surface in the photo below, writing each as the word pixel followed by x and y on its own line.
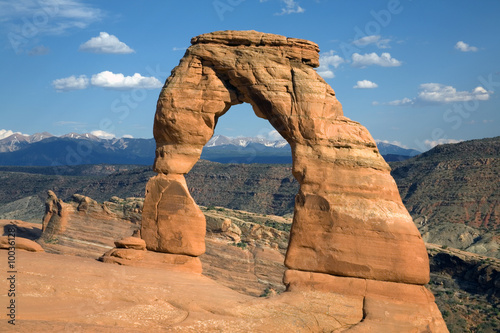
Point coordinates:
pixel 20 243
pixel 55 218
pixel 85 227
pixel 171 220
pixel 349 219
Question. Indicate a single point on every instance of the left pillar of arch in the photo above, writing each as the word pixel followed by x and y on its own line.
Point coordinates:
pixel 190 102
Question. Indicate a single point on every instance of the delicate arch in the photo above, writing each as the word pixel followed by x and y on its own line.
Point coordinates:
pixel 349 219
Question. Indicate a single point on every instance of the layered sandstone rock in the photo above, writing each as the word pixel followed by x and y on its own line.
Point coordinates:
pixel 19 243
pixel 85 227
pixel 349 219
pixel 150 259
pixel 131 243
pixel 171 220
pixel 386 306
pixel 55 218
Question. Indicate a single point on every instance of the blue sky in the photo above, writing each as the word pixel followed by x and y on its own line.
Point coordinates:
pixel 415 73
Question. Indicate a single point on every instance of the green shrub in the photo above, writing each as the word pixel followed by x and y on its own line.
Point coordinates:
pixel 242 245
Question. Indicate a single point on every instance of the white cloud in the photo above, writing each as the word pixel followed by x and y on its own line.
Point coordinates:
pixel 464 47
pixel 105 43
pixel 111 80
pixel 179 48
pixel 291 7
pixel 71 83
pixel 365 84
pixel 103 134
pixel 373 39
pixel 436 93
pixel 400 102
pixel 325 61
pixel 434 143
pixel 6 133
pixel 57 16
pixel 439 93
pixel 367 59
pixel 107 79
pixel 127 136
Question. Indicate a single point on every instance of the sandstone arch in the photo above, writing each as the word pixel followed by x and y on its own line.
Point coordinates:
pixel 349 220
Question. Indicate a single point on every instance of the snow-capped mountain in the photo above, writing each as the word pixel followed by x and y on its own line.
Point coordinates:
pixel 17 141
pixel 221 140
pixel 87 136
pixel 74 148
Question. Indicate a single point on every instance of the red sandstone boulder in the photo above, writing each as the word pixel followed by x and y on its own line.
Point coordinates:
pixel 131 243
pixel 20 244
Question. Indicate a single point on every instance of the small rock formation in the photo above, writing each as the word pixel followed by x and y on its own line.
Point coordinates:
pixel 131 243
pixel 21 244
pixel 55 218
pixel 85 227
pixel 349 221
pixel 131 251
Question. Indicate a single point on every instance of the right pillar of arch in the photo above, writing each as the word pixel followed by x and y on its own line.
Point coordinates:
pixel 349 218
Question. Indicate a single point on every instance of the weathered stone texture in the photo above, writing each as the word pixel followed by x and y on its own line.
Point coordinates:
pixel 55 219
pixel 349 219
pixel 171 220
pixel 351 233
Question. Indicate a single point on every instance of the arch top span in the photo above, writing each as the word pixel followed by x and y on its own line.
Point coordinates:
pixel 349 219
pixel 273 73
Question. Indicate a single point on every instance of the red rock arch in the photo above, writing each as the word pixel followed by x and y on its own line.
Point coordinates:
pixel 349 220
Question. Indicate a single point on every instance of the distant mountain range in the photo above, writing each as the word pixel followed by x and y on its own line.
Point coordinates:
pixel 45 149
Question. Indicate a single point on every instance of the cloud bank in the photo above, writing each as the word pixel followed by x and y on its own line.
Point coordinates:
pixel 436 93
pixel 107 79
pixel 58 16
pixel 71 83
pixel 369 59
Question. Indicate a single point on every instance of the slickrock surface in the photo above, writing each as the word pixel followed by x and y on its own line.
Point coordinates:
pixel 60 294
pixel 349 219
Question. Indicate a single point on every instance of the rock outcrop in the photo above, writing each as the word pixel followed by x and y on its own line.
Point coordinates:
pixel 85 227
pixel 349 220
pixel 20 243
pixel 171 220
pixel 55 218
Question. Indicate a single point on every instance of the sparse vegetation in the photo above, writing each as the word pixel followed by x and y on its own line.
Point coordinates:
pixel 242 245
pixel 267 292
